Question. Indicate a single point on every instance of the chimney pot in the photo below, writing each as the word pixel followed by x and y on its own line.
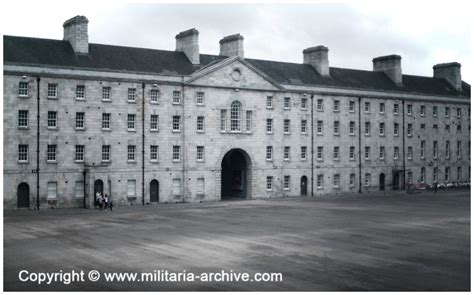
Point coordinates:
pixel 188 42
pixel 391 65
pixel 451 72
pixel 317 56
pixel 232 45
pixel 75 32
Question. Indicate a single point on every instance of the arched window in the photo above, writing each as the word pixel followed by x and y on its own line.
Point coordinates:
pixel 235 116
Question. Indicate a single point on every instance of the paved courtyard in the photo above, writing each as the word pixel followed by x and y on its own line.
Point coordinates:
pixel 397 242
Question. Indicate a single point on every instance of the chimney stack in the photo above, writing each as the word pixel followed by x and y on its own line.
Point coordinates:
pixel 317 57
pixel 75 31
pixel 232 45
pixel 391 65
pixel 451 72
pixel 188 42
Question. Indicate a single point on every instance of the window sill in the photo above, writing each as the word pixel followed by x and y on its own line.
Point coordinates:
pixel 200 131
pixel 154 102
pixel 131 101
pixel 80 99
pixel 336 134
pixel 286 160
pixel 52 98
pixel 286 109
pixel 106 129
pixel 336 159
pixel 382 135
pixel 105 161
pixel 176 103
pixel 269 160
pixel 23 96
pixel 351 134
pixel 304 109
pixel 200 105
pixel 286 133
pixel 270 133
pixel 176 131
pixel 131 130
pixel 106 100
pixel 286 189
pixel 153 130
pixel 199 161
pixel 52 128
pixel 78 161
pixel 176 161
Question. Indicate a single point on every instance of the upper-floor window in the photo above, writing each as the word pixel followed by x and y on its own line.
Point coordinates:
pixel 269 102
pixel 52 119
pixel 248 121
pixel 303 153
pixel 23 118
pixel 382 108
pixel 367 128
pixel 335 154
pixel 286 126
pixel 80 120
pixel 200 153
pixel 269 153
pixel 458 112
pixel 422 149
pixel 154 153
pixel 106 93
pixel 200 124
pixel 154 122
pixel 351 128
pixel 131 153
pixel 80 92
pixel 269 183
pixel 336 127
pixel 447 112
pixel 286 153
pixel 235 116
pixel 319 104
pixel 352 153
pixel 286 182
pixel 367 107
pixel 319 127
pixel 176 97
pixel 395 108
pixel 422 110
pixel 131 122
pixel 269 126
pixel 435 111
pixel 132 93
pixel 79 154
pixel 200 98
pixel 287 103
pixel 154 95
pixel 319 153
pixel 51 153
pixel 223 120
pixel 382 129
pixel 105 153
pixel 409 152
pixel 395 129
pixel 176 153
pixel 381 152
pixel 23 89
pixel 409 129
pixel 304 103
pixel 105 120
pixel 396 152
pixel 351 106
pixel 458 149
pixel 176 123
pixel 367 153
pixel 409 109
pixel 447 151
pixel 336 106
pixel 435 149
pixel 52 90
pixel 23 153
pixel 336 180
pixel 304 126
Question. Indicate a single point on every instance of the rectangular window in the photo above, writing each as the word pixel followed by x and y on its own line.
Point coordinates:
pixel 336 127
pixel 106 93
pixel 422 149
pixel 131 188
pixel 422 110
pixel 52 119
pixel 176 97
pixel 336 180
pixel 287 103
pixel 269 153
pixel 286 126
pixel 336 106
pixel 154 122
pixel 269 183
pixel 435 111
pixel 395 108
pixel 422 126
pixel 382 108
pixel 447 174
pixel 223 120
pixel 396 152
pixel 367 128
pixel 459 175
pixel 382 153
pixel 435 149
pixel 154 153
pixel 409 129
pixel 286 182
pixel 52 90
pixel 200 124
pixel 176 153
pixel 177 187
pixel 367 107
pixel 52 190
pixel 319 153
pixel 458 149
pixel 176 123
pixel 79 153
pixel 304 126
pixel 409 110
pixel 382 129
pixel 435 127
pixel 458 112
pixel 395 129
pixel 304 103
pixel 351 106
pixel 319 127
pixel 367 179
pixel 131 153
pixel 422 174
pixel 367 153
pixel 154 95
pixel 303 153
pixel 319 105
pixel 80 92
pixel 131 121
pixel 80 120
pixel 352 153
pixel 51 153
pixel 286 153
pixel 200 153
pixel 447 127
pixel 335 154
pixel 23 153
pixel 79 190
pixel 248 121
pixel 447 112
pixel 23 89
pixel 320 181
pixel 410 153
pixel 435 174
pixel 352 179
pixel 105 153
pixel 105 121
pixel 200 186
pixel 23 118
pixel 410 177
pixel 351 128
pixel 132 92
pixel 447 151
pixel 269 102
pixel 200 98
pixel 269 126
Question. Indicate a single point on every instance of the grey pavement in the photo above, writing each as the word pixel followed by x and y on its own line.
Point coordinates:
pixel 354 242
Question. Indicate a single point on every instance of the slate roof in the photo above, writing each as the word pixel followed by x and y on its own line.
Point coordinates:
pixel 36 51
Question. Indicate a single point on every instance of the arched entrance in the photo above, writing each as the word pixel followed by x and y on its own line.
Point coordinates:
pixel 304 185
pixel 154 191
pixel 98 187
pixel 23 195
pixel 235 175
pixel 382 182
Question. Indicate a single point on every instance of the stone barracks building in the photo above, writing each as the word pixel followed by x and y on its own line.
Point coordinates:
pixel 148 126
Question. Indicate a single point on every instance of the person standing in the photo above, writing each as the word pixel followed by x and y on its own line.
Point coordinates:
pixel 106 202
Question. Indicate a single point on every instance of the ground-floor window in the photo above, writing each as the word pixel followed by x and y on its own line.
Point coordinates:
pixel 352 178
pixel 367 179
pixel 269 183
pixel 200 186
pixel 52 190
pixel 336 180
pixel 286 182
pixel 79 190
pixel 320 181
pixel 131 188
pixel 176 187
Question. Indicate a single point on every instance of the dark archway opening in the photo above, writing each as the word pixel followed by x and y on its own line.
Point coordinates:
pixel 154 191
pixel 304 185
pixel 235 175
pixel 23 197
pixel 98 188
pixel 382 182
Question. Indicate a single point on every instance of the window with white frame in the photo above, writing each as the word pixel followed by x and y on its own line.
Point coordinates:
pixel 105 120
pixel 79 190
pixel 367 179
pixel 336 180
pixel 319 153
pixel 435 111
pixel 381 152
pixel 396 152
pixel 304 103
pixel 200 124
pixel 106 93
pixel 235 116
pixel 286 126
pixel 303 153
pixel 131 121
pixel 52 90
pixel 382 108
pixel 200 98
pixel 351 106
pixel 154 95
pixel 367 128
pixel 336 106
pixel 79 155
pixel 131 188
pixel 352 153
pixel 51 153
pixel 458 149
pixel 269 126
pixel 52 190
pixel 319 127
pixel 286 153
pixel 367 107
pixel 23 89
pixel 382 129
pixel 435 149
pixel 269 153
pixel 223 122
pixel 395 108
pixel 52 119
pixel 269 102
pixel 132 93
pixel 435 174
pixel 447 112
pixel 248 121
pixel 422 174
pixel 80 91
pixel 422 110
pixel 319 104
pixel 131 153
pixel 447 174
pixel 177 187
pixel 287 103
pixel 23 119
pixel 320 181
pixel 80 120
pixel 154 153
pixel 336 127
pixel 458 112
pixel 351 128
pixel 367 153
pixel 352 179
pixel 154 122
pixel 286 182
pixel 269 183
pixel 395 129
pixel 422 149
pixel 176 123
pixel 22 153
pixel 409 152
pixel 176 97
pixel 176 153
pixel 447 151
pixel 200 186
pixel 335 154
pixel 105 153
pixel 409 129
pixel 304 126
pixel 409 109
pixel 200 153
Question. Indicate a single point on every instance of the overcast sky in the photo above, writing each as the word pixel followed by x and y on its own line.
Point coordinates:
pixel 422 32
